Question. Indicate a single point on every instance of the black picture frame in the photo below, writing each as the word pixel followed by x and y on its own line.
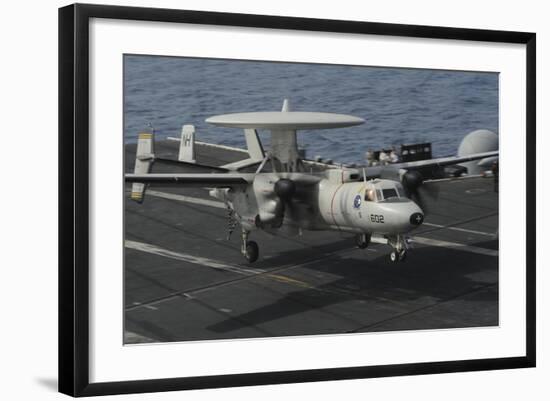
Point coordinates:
pixel 74 198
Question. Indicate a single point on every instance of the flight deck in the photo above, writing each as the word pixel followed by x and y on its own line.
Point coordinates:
pixel 185 281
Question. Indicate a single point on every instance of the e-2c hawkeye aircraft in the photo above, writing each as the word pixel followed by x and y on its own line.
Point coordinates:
pixel 285 194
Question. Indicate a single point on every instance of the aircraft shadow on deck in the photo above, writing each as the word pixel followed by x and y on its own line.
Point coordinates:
pixel 409 278
pixel 383 297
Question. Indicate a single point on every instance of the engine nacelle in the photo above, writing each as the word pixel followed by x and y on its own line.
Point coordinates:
pixel 270 206
pixel 270 211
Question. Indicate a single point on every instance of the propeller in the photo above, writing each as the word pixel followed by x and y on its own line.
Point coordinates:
pixel 279 194
pixel 273 198
pixel 417 190
pixel 285 188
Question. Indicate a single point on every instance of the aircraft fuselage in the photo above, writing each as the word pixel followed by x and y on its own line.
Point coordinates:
pixel 374 207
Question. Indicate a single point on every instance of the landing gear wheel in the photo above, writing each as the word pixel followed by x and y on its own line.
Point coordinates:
pixel 252 251
pixel 362 240
pixel 394 257
pixel 402 255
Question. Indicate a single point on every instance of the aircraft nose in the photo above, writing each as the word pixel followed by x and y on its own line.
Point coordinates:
pixel 416 219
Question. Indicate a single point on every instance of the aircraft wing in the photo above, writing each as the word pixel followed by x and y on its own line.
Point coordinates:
pixel 444 161
pixel 193 180
pixel 390 170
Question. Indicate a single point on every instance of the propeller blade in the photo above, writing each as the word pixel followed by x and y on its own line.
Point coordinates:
pixel 425 196
pixel 412 180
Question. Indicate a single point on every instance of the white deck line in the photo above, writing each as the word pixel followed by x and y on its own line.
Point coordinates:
pixel 197 260
pixel 187 199
pixel 455 245
pixel 466 230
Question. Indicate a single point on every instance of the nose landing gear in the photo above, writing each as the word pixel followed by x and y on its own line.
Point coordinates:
pixel 399 245
pixel 398 256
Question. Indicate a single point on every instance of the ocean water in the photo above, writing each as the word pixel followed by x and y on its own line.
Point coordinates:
pixel 399 105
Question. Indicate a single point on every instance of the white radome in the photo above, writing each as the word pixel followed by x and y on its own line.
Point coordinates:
pixel 478 141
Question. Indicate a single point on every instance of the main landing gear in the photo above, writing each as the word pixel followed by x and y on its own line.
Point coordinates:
pixel 249 249
pixel 399 245
pixel 362 240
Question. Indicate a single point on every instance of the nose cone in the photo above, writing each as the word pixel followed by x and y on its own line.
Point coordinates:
pixel 416 219
pixel 400 217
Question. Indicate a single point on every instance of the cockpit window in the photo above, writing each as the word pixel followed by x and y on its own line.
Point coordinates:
pixel 381 194
pixel 389 193
pixel 369 195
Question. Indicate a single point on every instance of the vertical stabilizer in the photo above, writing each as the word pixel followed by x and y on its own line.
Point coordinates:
pixel 253 144
pixel 187 144
pixel 145 155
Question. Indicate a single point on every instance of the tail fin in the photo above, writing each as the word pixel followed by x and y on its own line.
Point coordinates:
pixel 145 156
pixel 255 149
pixel 187 144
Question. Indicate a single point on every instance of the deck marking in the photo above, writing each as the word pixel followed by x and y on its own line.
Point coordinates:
pixel 455 245
pixel 145 306
pixel 474 191
pixel 189 294
pixel 291 281
pixel 187 199
pixel 466 230
pixel 198 260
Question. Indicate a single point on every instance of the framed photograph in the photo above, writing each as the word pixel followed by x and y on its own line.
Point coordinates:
pixel 251 199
